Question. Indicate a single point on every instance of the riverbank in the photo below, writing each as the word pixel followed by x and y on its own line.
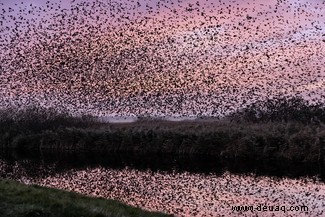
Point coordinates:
pixel 286 131
pixel 223 139
pixel 17 199
pixel 191 194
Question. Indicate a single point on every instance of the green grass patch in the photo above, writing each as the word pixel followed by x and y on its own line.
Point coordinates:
pixel 19 200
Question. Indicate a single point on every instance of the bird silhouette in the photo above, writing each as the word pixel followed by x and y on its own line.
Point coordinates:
pixel 162 58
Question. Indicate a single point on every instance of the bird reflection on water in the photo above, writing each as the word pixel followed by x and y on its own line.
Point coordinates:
pixel 177 192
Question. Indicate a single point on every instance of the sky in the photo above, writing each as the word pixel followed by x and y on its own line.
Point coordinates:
pixel 165 58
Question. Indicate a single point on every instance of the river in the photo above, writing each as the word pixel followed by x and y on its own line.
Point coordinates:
pixel 183 186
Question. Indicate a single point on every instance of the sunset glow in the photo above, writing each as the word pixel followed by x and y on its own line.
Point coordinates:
pixel 176 57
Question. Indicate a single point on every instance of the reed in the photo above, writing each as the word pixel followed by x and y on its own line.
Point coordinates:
pixel 237 136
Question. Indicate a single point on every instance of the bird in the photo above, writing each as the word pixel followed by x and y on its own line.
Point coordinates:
pixel 167 58
pixel 179 193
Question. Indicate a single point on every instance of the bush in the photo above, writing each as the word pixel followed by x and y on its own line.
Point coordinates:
pixel 281 109
pixel 292 139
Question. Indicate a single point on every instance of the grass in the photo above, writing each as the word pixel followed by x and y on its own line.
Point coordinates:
pixel 19 200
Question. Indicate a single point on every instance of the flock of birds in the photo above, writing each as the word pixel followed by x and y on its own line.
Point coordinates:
pixel 186 194
pixel 160 58
pixel 166 58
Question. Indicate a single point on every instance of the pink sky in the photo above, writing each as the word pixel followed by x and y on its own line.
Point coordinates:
pixel 228 53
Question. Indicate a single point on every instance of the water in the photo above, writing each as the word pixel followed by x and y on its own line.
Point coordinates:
pixel 184 186
pixel 62 161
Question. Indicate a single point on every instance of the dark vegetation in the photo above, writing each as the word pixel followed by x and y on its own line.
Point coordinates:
pixel 18 200
pixel 281 128
pixel 281 109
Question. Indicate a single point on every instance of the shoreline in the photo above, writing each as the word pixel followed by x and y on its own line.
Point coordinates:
pixel 185 194
pixel 61 161
pixel 221 139
pixel 20 199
